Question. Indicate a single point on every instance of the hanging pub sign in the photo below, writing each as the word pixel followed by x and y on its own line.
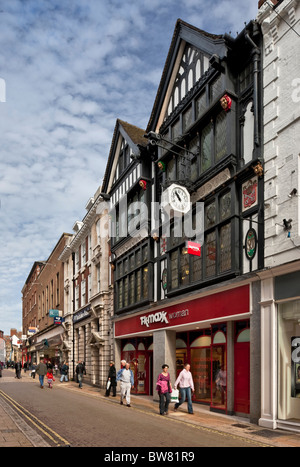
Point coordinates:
pixel 249 193
pixel 250 244
pixel 193 248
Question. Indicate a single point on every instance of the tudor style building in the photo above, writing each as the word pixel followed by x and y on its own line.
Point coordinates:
pixel 202 158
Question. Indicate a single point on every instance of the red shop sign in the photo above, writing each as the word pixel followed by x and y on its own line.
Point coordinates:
pixel 220 305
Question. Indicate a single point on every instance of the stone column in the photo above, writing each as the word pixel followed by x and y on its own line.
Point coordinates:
pixel 164 351
pixel 268 356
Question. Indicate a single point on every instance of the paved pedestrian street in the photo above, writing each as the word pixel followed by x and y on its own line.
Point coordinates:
pixel 69 416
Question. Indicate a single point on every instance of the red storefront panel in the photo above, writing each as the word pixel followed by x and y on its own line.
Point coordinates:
pixel 220 305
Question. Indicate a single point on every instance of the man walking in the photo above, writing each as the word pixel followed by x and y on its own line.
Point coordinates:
pixel 80 371
pixel 125 376
pixel 41 370
pixel 64 372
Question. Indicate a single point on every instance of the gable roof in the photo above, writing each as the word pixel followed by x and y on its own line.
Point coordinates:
pixel 208 43
pixel 133 135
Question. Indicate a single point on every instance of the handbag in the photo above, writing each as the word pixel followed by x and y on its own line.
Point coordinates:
pixel 108 384
pixel 174 396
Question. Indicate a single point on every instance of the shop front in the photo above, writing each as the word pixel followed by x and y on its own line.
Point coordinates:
pixel 212 333
pixel 281 351
pixel 49 346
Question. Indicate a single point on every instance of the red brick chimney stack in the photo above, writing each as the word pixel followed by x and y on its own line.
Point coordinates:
pixel 261 2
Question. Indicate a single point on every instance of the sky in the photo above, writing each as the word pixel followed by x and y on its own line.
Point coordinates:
pixel 68 70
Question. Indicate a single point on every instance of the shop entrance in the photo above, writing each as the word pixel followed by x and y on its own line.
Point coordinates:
pixel 205 350
pixel 242 372
pixel 138 352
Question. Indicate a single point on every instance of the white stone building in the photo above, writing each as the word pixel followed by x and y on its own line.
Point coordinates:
pixel 280 280
pixel 88 294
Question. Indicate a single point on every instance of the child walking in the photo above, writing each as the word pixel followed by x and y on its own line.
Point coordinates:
pixel 50 377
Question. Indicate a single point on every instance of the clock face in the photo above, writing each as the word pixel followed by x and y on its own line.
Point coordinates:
pixel 180 199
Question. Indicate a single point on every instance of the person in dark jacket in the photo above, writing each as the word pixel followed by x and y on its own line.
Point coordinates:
pixel 41 370
pixel 18 368
pixel 64 372
pixel 111 380
pixel 80 371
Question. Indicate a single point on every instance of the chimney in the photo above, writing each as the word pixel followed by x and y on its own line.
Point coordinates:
pixel 261 2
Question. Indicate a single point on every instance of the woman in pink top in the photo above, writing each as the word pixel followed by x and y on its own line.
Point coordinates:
pixel 186 387
pixel 164 388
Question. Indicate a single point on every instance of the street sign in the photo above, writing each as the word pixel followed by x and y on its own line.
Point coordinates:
pixel 54 313
pixel 58 320
pixel 193 248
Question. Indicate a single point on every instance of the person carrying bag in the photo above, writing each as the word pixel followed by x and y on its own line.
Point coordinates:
pixel 164 388
pixel 186 386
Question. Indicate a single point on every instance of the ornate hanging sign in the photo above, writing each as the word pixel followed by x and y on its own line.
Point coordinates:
pixel 249 193
pixel 250 244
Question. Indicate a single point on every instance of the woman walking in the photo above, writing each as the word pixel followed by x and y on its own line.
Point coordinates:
pixel 164 388
pixel 111 380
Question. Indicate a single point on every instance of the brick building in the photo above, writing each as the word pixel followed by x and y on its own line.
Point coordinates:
pixel 43 292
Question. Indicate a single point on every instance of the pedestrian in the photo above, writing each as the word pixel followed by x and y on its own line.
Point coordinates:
pixel 33 369
pixel 80 371
pixel 41 370
pixel 186 387
pixel 125 376
pixel 164 388
pixel 111 380
pixel 50 377
pixel 64 372
pixel 18 368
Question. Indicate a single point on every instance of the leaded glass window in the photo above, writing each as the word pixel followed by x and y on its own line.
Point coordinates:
pixel 210 215
pixel 211 250
pixel 184 266
pixel 197 268
pixel 187 118
pixel 225 248
pixel 174 269
pixel 225 206
pixel 206 147
pixel 221 136
pixel 200 105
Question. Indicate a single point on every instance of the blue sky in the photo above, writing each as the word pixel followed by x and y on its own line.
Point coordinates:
pixel 71 68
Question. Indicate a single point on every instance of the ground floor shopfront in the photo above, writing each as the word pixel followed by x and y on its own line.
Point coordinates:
pixel 215 333
pixel 280 365
pixel 49 345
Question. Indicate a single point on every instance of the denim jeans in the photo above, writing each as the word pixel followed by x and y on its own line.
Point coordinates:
pixel 41 378
pixel 79 378
pixel 186 393
pixel 164 401
pixel 64 377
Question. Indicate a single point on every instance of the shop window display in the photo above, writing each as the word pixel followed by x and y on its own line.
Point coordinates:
pixel 289 361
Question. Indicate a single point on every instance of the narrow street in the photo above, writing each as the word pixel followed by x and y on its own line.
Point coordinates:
pixel 63 416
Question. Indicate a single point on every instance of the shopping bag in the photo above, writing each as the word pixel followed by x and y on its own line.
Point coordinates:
pixel 108 384
pixel 174 396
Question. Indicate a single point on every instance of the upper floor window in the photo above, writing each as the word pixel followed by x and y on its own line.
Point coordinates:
pixel 193 65
pixel 124 158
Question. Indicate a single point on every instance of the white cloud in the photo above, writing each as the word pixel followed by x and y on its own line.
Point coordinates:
pixel 71 69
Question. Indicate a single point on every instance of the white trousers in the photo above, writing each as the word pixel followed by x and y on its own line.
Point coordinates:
pixel 125 391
